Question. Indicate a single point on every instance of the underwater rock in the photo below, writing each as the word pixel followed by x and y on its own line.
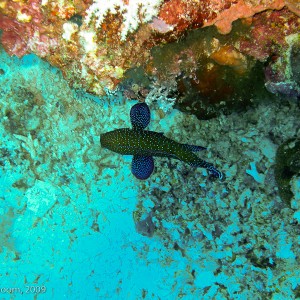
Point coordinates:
pixel 287 166
pixel 145 226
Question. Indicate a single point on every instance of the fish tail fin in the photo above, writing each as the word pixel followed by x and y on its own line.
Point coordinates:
pixel 211 169
pixel 215 172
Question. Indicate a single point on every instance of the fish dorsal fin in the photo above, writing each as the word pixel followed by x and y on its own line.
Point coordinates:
pixel 140 116
pixel 142 166
pixel 193 148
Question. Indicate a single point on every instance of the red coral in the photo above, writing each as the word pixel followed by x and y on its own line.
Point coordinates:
pixel 267 36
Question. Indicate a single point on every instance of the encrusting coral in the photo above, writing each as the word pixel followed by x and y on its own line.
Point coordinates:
pixel 94 43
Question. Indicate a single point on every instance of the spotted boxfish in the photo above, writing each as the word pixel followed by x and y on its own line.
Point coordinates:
pixel 144 144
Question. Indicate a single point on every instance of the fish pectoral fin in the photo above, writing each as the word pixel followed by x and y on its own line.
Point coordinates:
pixel 142 166
pixel 194 148
pixel 140 116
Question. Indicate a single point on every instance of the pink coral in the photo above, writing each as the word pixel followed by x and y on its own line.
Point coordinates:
pixel 25 30
pixel 14 38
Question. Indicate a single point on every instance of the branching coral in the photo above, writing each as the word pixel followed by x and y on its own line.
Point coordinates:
pixel 133 13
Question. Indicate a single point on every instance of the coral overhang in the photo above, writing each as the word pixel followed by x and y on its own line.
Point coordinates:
pixel 95 42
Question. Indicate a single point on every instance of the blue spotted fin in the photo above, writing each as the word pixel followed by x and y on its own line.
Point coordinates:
pixel 140 116
pixel 142 166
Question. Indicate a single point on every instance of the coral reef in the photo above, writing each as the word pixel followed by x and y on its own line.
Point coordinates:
pixel 94 43
pixel 72 216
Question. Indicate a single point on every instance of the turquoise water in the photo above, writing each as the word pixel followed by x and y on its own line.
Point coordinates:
pixel 72 213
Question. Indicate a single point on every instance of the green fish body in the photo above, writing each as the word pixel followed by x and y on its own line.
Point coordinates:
pixel 145 144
